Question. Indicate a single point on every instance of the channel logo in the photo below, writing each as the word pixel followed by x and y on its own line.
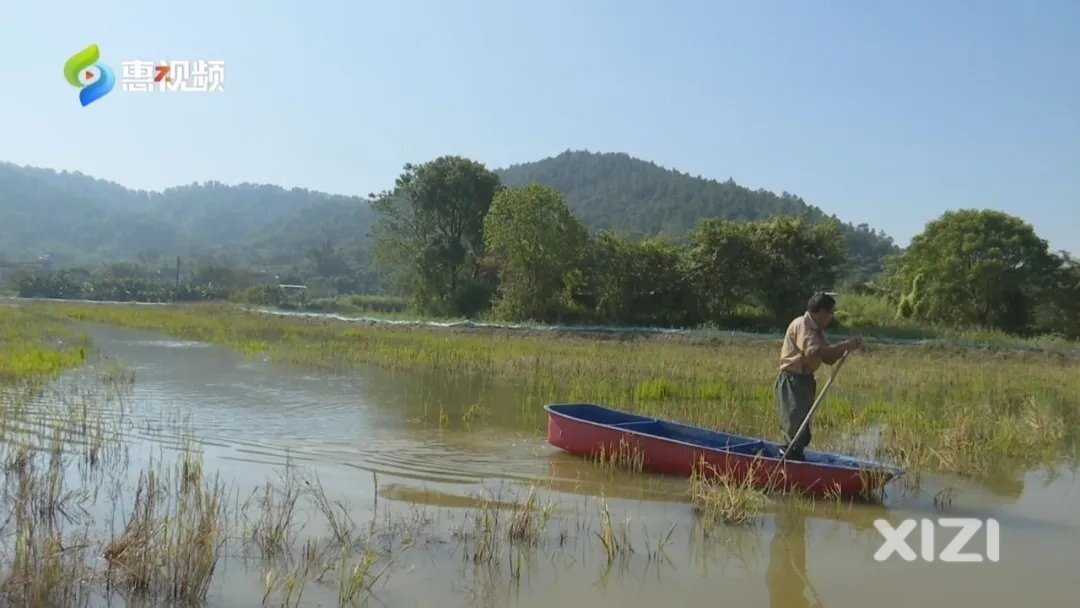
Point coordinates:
pixel 82 70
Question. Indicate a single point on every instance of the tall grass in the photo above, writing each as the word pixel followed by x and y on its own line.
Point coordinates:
pixel 78 523
pixel 34 349
pixel 924 407
pixel 722 499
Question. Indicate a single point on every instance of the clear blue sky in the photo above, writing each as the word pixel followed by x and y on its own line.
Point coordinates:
pixel 888 115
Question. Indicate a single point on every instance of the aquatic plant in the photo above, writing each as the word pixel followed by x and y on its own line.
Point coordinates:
pixel 964 410
pixel 721 499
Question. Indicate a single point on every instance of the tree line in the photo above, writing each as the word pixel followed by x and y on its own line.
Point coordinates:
pixel 614 191
pixel 327 270
pixel 456 241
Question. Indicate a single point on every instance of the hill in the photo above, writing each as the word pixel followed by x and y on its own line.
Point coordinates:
pixel 617 191
pixel 76 219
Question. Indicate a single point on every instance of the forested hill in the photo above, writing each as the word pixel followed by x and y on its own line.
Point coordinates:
pixel 617 191
pixel 76 219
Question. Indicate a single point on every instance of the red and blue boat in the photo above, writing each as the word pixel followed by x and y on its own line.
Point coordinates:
pixel 678 449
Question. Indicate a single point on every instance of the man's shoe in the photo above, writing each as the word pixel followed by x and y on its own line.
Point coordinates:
pixel 793 455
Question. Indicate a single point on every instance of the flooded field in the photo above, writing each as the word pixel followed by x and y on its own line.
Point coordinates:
pixel 410 488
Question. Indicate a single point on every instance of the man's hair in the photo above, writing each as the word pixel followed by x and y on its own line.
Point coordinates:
pixel 819 302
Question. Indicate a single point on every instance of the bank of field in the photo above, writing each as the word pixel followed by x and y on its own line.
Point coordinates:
pixel 925 408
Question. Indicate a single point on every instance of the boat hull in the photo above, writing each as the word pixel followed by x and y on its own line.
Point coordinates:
pixel 675 449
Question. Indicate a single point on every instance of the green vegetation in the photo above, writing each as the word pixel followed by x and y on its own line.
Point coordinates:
pixel 78 220
pixel 34 349
pixel 614 191
pixel 175 528
pixel 537 245
pixel 720 499
pixel 430 237
pixel 971 269
pixel 932 408
pixel 659 248
pixel 986 269
pixel 454 238
pixel 541 264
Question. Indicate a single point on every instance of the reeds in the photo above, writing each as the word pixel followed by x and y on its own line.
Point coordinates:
pixel 959 410
pixel 720 498
pixel 172 541
pixel 930 411
pixel 626 456
pixel 167 540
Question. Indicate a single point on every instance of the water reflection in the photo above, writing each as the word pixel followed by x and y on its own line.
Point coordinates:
pixel 786 575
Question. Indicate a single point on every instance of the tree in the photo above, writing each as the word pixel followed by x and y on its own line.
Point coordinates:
pixel 725 266
pixel 537 245
pixel 641 282
pixel 329 261
pixel 1059 311
pixel 614 191
pixel 975 267
pixel 430 237
pixel 797 259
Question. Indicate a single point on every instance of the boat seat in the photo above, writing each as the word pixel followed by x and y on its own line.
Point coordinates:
pixel 633 423
pixel 749 447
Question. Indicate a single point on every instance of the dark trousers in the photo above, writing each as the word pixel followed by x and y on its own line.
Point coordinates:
pixel 794 396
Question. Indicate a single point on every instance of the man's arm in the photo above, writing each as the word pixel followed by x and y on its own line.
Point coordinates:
pixel 813 343
pixel 832 353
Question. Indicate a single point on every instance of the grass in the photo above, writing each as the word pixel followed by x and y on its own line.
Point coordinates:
pixel 171 543
pixel 163 532
pixel 720 499
pixel 932 408
pixel 34 349
pixel 72 534
pixel 625 457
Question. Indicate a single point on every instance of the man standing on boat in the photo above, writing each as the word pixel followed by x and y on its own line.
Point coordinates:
pixel 803 351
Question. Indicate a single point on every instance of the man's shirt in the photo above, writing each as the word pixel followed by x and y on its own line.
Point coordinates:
pixel 803 343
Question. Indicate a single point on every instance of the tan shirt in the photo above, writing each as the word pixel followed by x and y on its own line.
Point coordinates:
pixel 803 343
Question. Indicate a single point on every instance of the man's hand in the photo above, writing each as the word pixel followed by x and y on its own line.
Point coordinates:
pixel 853 343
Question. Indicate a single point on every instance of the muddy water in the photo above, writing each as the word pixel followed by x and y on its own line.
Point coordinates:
pixel 421 447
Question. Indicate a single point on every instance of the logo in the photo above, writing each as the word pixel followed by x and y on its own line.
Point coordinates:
pixel 174 75
pixel 895 540
pixel 95 79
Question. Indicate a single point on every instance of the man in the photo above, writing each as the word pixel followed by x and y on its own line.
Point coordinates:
pixel 803 351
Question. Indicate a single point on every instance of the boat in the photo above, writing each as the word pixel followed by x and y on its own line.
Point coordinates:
pixel 673 448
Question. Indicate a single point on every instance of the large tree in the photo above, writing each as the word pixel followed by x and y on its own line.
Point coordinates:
pixel 725 266
pixel 975 268
pixel 430 236
pixel 797 259
pixel 537 245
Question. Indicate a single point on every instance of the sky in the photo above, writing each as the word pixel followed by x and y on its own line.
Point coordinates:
pixel 888 114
